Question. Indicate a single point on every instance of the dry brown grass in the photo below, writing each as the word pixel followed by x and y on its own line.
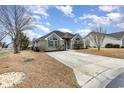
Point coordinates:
pixel 110 52
pixel 43 72
pixel 3 54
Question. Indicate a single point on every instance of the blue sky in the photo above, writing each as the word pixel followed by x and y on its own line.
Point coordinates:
pixel 75 19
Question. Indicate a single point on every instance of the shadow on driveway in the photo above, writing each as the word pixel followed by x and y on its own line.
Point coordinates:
pixel 118 82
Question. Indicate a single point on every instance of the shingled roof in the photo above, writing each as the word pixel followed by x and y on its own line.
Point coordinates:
pixel 59 33
pixel 117 34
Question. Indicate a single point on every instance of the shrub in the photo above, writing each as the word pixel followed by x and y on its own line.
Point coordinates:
pixel 86 47
pixel 94 46
pixel 122 46
pixel 61 47
pixel 109 45
pixel 116 46
pixel 77 46
pixel 37 49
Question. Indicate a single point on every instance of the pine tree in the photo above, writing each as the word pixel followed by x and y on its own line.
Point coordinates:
pixel 23 41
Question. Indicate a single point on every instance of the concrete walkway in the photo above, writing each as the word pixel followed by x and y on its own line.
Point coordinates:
pixel 91 71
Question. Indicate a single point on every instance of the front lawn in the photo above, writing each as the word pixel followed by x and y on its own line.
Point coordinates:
pixel 45 71
pixel 109 52
pixel 3 54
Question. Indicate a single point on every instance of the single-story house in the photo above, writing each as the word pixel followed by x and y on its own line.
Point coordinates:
pixel 57 40
pixel 111 38
pixel 10 46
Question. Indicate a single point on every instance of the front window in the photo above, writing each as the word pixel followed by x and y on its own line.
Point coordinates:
pixel 53 41
pixel 77 41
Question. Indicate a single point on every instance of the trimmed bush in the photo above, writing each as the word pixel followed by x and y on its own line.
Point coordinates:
pixel 36 49
pixel 94 46
pixel 122 46
pixel 77 46
pixel 87 47
pixel 109 45
pixel 116 46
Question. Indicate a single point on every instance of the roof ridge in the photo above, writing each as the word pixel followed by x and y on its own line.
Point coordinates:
pixel 116 32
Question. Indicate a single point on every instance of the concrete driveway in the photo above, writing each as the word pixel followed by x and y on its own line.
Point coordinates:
pixel 91 71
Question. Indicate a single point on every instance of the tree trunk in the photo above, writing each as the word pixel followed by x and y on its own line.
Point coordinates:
pixel 98 48
pixel 15 46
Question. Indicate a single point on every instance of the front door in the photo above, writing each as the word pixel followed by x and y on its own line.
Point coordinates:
pixel 67 44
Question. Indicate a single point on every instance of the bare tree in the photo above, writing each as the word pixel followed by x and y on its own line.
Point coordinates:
pixel 14 20
pixel 98 36
pixel 2 35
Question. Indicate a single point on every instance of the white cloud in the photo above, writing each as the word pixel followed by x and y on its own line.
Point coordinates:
pixel 115 16
pixel 31 34
pixel 103 20
pixel 120 26
pixel 90 24
pixel 67 10
pixel 43 28
pixel 48 24
pixel 96 19
pixel 36 17
pixel 39 9
pixel 83 32
pixel 65 30
pixel 108 8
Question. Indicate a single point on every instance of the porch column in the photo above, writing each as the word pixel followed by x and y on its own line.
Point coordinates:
pixel 66 45
pixel 71 47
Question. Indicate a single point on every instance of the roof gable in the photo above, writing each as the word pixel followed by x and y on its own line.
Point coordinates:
pixel 77 36
pixel 59 33
pixel 53 35
pixel 68 35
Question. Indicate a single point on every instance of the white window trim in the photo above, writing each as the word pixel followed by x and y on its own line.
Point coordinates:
pixel 77 36
pixel 53 41
pixel 77 41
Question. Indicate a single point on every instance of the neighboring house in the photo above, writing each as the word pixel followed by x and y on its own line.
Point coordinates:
pixel 0 45
pixel 57 40
pixel 7 49
pixel 30 45
pixel 113 38
pixel 10 46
